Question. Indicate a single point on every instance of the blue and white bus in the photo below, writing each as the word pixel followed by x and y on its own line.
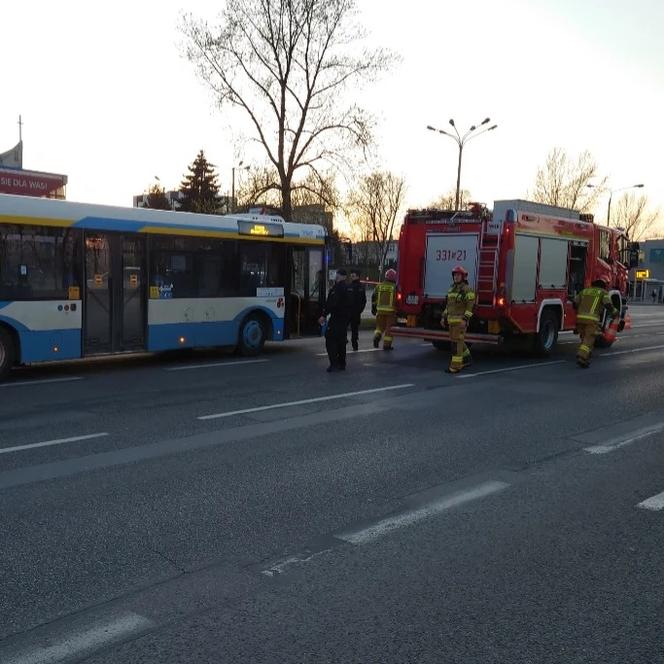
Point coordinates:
pixel 78 280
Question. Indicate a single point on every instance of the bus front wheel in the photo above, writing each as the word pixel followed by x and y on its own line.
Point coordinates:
pixel 7 353
pixel 252 336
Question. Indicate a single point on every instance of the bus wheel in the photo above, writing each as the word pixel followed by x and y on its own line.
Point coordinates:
pixel 252 336
pixel 546 338
pixel 7 353
pixel 441 345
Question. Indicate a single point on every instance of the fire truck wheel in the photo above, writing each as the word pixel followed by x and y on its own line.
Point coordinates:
pixel 546 338
pixel 441 345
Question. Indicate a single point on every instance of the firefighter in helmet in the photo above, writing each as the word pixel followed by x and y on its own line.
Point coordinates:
pixel 383 306
pixel 589 305
pixel 459 310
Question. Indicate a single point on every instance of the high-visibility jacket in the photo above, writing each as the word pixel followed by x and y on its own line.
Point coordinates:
pixel 590 302
pixel 460 303
pixel 384 297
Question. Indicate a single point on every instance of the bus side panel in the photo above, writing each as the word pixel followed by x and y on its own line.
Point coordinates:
pixel 191 322
pixel 47 330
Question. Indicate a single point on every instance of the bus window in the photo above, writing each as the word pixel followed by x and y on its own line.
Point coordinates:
pixel 38 263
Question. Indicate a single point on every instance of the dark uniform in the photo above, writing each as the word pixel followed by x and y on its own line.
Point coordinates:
pixel 339 308
pixel 359 302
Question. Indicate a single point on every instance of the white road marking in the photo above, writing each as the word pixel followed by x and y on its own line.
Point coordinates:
pixel 655 503
pixel 353 352
pixel 616 443
pixel 633 350
pixel 301 402
pixel 521 366
pixel 84 641
pixel 386 526
pixel 281 566
pixel 214 364
pixel 41 382
pixel 48 443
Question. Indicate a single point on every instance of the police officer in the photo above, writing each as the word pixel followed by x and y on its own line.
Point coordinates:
pixel 457 314
pixel 359 300
pixel 338 307
pixel 589 304
pixel 383 306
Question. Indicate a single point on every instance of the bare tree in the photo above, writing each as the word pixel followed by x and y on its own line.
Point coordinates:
pixel 632 213
pixel 375 206
pixel 261 188
pixel 448 200
pixel 563 181
pixel 286 65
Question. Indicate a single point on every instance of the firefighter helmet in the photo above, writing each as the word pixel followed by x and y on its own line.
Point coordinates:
pixel 391 275
pixel 599 283
pixel 460 270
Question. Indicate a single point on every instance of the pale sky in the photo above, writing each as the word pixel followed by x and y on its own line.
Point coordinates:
pixel 107 98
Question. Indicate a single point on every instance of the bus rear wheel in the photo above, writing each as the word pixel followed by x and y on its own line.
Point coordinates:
pixel 252 336
pixel 7 353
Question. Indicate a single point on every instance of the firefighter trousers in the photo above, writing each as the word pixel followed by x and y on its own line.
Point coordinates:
pixel 384 321
pixel 460 352
pixel 587 332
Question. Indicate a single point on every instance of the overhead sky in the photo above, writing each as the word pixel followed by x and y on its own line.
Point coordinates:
pixel 107 98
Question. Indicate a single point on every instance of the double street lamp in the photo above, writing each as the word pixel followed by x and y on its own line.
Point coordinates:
pixel 461 141
pixel 615 191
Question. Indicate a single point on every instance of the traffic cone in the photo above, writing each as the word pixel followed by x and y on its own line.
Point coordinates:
pixel 628 322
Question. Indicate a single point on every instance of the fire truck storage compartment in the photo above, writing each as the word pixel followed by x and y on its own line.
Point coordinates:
pixel 577 267
pixel 553 263
pixel 444 251
pixel 524 276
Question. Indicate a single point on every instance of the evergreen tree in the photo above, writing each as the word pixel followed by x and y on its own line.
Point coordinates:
pixel 199 188
pixel 157 199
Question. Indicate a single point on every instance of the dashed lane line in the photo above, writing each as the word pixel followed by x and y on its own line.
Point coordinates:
pixel 354 352
pixel 41 382
pixel 616 443
pixel 655 503
pixel 386 526
pixel 301 402
pixel 214 364
pixel 80 643
pixel 632 350
pixel 507 369
pixel 49 443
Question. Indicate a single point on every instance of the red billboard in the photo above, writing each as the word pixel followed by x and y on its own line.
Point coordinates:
pixel 30 183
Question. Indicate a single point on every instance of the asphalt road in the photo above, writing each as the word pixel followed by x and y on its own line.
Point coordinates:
pixel 206 508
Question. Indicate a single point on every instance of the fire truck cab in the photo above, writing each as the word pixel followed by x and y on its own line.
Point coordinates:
pixel 526 261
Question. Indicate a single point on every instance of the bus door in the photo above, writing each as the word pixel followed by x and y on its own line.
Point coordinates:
pixel 307 290
pixel 115 295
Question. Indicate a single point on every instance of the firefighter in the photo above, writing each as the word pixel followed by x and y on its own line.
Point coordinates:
pixel 458 311
pixel 383 303
pixel 589 304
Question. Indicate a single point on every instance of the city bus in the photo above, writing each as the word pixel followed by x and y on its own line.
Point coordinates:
pixel 80 280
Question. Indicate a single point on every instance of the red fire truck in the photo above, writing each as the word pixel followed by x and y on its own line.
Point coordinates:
pixel 525 261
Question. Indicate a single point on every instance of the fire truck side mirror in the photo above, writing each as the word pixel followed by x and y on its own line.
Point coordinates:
pixel 634 254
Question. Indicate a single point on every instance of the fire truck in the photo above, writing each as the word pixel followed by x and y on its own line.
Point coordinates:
pixel 525 261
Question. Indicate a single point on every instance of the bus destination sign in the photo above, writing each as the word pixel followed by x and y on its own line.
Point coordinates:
pixel 261 229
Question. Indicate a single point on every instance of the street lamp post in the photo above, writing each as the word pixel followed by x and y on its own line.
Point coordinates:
pixel 461 142
pixel 615 191
pixel 242 168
